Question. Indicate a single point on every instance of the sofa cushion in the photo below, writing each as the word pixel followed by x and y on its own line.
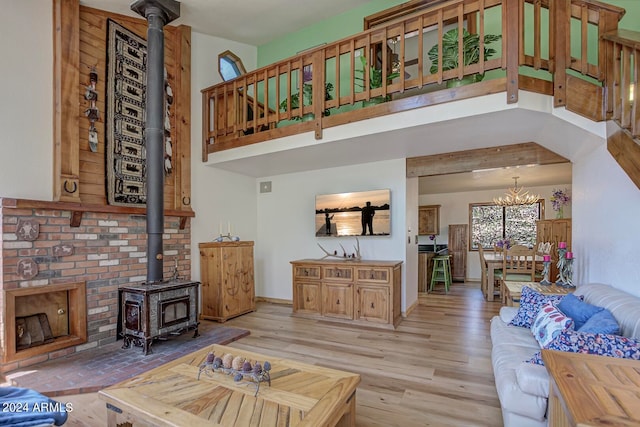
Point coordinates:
pixel 577 309
pixel 549 323
pixel 599 344
pixel 530 303
pixel 533 379
pixel 602 322
pixel 512 345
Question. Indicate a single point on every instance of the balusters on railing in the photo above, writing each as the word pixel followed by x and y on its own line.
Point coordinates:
pixel 228 106
pixel 625 46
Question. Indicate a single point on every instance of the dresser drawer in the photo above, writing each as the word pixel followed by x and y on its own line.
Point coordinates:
pixel 380 275
pixel 337 273
pixel 307 272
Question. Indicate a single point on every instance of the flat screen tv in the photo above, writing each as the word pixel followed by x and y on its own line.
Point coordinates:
pixel 354 214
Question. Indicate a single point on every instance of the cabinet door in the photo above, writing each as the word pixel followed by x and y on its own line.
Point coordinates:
pixel 373 303
pixel 307 298
pixel 211 277
pixel 237 280
pixel 337 300
pixel 458 235
pixel 429 220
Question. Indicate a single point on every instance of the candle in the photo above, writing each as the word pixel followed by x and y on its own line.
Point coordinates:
pixel 220 228
pixel 569 255
pixel 546 258
pixel 229 227
pixel 562 245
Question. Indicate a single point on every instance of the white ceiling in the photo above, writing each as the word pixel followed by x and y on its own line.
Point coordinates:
pixel 254 22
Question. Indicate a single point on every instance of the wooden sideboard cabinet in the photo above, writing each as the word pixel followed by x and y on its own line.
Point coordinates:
pixel 226 270
pixel 429 220
pixel 365 292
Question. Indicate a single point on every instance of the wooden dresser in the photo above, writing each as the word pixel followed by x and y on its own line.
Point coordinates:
pixel 364 292
pixel 226 270
pixel 589 390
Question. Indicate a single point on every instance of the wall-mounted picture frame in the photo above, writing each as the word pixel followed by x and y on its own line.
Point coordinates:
pixel 357 213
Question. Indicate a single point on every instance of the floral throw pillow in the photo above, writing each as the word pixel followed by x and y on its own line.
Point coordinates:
pixel 549 324
pixel 589 343
pixel 530 303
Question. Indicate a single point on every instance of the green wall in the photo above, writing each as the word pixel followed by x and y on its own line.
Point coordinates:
pixel 351 22
pixel 327 31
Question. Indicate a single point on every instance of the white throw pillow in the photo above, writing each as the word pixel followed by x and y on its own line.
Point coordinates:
pixel 549 323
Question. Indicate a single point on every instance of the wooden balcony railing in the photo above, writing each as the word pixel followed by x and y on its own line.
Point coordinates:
pixel 570 49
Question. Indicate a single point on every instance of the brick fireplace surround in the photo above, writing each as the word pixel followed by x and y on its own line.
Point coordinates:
pixel 104 252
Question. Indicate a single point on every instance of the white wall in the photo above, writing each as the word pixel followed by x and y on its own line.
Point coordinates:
pixel 606 205
pixel 454 209
pixel 218 196
pixel 286 220
pixel 26 100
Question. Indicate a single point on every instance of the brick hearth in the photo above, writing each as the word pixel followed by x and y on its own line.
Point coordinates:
pixel 105 251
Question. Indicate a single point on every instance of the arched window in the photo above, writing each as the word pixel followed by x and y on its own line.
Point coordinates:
pixel 230 65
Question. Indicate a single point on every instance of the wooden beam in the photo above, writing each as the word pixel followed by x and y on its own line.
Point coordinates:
pixel 483 158
pixel 625 150
pixel 66 85
pixel 182 142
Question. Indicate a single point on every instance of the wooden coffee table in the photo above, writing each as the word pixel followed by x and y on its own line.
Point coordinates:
pixel 171 395
pixel 513 290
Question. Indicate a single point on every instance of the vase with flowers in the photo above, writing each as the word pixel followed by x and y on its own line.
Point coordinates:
pixel 559 199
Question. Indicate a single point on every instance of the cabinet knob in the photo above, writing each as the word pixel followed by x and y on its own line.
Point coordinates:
pixel 338 302
pixel 308 299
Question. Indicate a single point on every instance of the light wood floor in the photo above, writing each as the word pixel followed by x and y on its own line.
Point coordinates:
pixel 433 370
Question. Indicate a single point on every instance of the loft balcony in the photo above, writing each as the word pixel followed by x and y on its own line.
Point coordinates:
pixel 571 50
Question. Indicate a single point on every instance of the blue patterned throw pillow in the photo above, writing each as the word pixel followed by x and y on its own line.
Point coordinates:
pixel 531 301
pixel 588 343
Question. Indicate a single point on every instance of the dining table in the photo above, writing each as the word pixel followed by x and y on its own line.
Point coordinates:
pixel 494 262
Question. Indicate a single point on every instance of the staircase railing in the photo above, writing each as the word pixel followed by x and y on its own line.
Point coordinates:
pixel 328 85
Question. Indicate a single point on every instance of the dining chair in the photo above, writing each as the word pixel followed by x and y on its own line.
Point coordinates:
pixel 518 265
pixel 483 270
pixel 484 276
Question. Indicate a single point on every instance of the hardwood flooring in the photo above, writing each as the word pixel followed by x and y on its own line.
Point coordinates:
pixel 433 370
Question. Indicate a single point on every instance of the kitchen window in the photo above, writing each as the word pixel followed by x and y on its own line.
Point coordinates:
pixel 490 223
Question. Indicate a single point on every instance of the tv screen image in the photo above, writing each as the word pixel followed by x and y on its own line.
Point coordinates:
pixel 354 214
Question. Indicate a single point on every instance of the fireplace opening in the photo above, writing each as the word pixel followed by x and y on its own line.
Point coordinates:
pixel 44 319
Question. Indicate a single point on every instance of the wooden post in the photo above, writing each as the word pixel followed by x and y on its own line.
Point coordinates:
pixel 562 52
pixel 512 33
pixel 66 77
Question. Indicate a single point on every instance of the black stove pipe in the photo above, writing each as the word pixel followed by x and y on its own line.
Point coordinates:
pixel 158 13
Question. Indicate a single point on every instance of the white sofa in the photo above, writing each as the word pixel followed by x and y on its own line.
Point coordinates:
pixel 522 387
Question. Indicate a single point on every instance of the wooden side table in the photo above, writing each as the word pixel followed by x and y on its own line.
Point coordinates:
pixel 513 290
pixel 592 391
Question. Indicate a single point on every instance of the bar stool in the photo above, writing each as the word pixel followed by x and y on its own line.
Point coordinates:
pixel 441 272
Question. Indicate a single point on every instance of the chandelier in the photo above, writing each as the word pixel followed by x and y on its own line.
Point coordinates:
pixel 516 196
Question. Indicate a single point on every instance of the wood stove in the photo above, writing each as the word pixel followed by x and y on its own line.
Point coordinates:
pixel 158 310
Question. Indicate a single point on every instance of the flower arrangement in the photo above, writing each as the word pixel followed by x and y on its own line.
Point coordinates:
pixel 503 244
pixel 432 237
pixel 559 199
